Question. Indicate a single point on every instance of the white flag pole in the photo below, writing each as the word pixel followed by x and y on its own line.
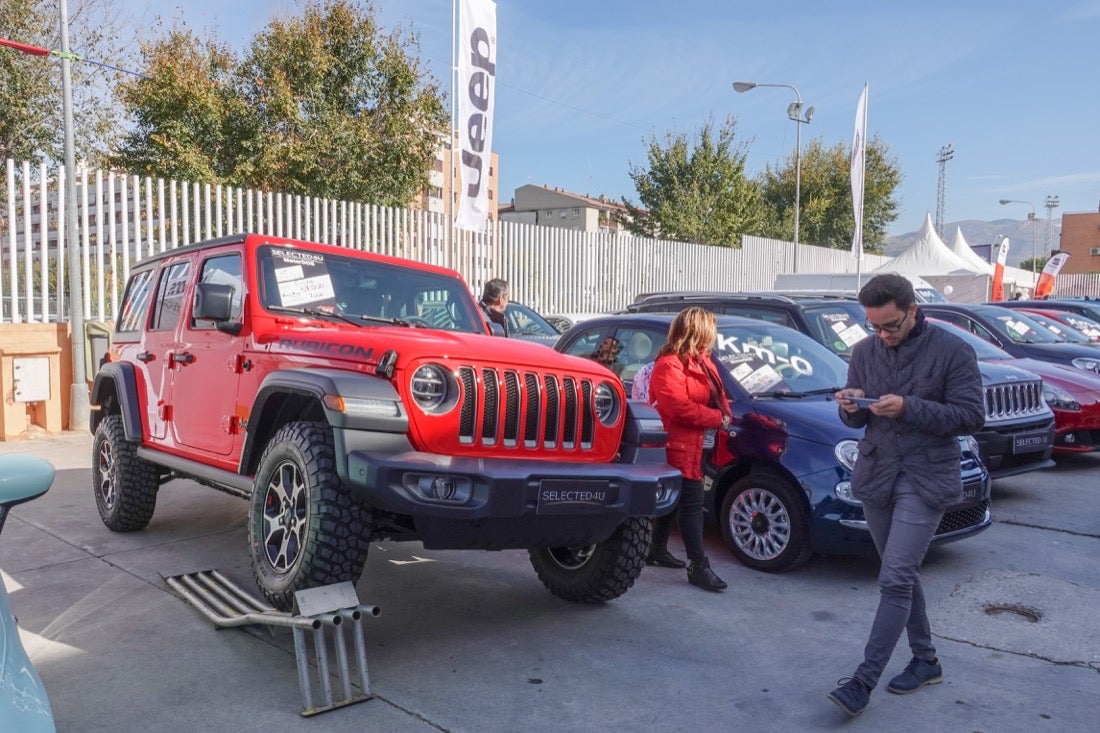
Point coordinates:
pixel 858 171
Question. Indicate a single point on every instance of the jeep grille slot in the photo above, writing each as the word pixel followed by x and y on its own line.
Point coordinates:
pixel 491 411
pixel 468 416
pixel 1016 399
pixel 553 399
pixel 588 421
pixel 533 411
pixel 511 408
pixel 569 435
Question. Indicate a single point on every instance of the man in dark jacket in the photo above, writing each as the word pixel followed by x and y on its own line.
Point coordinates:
pixel 925 390
pixel 494 300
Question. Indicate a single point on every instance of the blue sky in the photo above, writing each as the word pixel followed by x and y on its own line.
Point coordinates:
pixel 581 85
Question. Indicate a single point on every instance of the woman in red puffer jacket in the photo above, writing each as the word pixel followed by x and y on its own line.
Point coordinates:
pixel 687 392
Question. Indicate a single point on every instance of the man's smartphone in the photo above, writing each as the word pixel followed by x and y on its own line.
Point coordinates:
pixel 863 401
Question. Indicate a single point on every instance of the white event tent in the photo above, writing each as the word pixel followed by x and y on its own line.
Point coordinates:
pixel 953 275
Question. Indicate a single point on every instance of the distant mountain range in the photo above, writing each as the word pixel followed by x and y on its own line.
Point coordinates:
pixel 976 232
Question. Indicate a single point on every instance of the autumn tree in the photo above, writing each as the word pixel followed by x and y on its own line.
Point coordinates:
pixel 694 188
pixel 826 217
pixel 325 104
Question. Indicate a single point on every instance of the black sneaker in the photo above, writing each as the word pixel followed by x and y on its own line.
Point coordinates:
pixel 917 674
pixel 664 559
pixel 852 696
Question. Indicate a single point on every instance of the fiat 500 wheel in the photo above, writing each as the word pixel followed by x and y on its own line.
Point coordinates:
pixel 764 520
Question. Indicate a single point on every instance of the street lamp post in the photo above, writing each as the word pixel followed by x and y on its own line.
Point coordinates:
pixel 799 116
pixel 1031 218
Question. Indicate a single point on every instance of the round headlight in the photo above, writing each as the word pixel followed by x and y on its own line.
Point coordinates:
pixel 430 386
pixel 847 451
pixel 605 402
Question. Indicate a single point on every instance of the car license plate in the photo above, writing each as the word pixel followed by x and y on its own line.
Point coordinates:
pixel 1030 442
pixel 562 496
pixel 971 493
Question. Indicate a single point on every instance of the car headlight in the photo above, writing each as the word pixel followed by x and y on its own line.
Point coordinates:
pixel 605 402
pixel 433 388
pixel 1058 398
pixel 847 451
pixel 1087 363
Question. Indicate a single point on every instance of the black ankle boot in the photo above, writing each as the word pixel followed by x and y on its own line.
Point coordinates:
pixel 661 557
pixel 700 574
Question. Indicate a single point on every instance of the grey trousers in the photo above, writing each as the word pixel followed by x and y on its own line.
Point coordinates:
pixel 902 531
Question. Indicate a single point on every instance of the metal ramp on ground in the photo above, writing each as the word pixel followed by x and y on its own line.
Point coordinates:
pixel 324 614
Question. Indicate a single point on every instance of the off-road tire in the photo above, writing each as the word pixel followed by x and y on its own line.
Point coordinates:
pixel 599 572
pixel 124 485
pixel 304 528
pixel 764 520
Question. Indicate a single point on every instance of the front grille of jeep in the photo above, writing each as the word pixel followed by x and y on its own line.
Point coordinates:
pixel 523 409
pixel 1014 399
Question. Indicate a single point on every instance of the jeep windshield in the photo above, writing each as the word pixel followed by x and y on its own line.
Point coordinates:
pixel 362 291
pixel 768 360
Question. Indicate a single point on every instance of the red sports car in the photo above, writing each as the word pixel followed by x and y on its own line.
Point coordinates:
pixel 1073 394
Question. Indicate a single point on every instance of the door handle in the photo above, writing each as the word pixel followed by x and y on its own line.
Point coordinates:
pixel 145 356
pixel 183 358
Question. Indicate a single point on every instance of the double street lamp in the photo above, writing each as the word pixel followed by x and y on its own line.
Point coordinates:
pixel 800 116
pixel 1031 218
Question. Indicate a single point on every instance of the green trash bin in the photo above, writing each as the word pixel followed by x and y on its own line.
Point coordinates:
pixel 97 342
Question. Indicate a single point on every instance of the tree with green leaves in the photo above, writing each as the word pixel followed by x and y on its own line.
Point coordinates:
pixel 826 217
pixel 30 86
pixel 694 188
pixel 326 104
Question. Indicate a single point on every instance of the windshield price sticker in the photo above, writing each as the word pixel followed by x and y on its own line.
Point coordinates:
pixel 296 286
pixel 756 380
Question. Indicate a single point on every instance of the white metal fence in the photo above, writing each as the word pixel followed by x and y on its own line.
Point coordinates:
pixel 123 218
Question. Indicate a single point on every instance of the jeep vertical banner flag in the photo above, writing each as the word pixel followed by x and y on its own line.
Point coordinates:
pixel 1045 286
pixel 999 271
pixel 859 165
pixel 477 59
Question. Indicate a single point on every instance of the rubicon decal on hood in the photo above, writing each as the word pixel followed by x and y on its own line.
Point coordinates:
pixel 324 347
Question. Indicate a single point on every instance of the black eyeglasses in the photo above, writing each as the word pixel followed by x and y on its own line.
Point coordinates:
pixel 887 327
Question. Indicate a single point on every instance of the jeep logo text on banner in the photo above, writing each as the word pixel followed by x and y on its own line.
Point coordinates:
pixel 477 51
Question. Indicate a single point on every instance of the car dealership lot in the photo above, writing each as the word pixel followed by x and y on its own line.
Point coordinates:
pixel 470 641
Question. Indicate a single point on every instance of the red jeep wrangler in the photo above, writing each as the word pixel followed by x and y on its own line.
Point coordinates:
pixel 355 397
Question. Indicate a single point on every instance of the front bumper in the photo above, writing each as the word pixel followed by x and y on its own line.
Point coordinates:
pixel 468 503
pixel 1017 449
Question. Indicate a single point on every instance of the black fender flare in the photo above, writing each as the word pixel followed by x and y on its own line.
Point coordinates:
pixel 121 378
pixel 315 384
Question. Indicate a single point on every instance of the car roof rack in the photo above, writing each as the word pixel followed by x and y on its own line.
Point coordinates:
pixel 689 295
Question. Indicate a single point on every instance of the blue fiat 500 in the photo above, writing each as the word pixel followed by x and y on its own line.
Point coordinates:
pixel 779 484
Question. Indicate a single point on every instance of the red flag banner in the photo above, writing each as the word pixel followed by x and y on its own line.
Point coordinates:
pixel 999 271
pixel 1045 286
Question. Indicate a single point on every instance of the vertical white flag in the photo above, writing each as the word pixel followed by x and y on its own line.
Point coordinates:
pixel 476 92
pixel 859 165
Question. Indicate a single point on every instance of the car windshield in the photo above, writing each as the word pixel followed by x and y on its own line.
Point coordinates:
pixel 984 350
pixel 522 321
pixel 839 326
pixel 1016 326
pixel 1084 324
pixel 1061 331
pixel 358 289
pixel 767 359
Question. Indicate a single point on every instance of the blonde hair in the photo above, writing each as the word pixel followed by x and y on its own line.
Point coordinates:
pixel 692 333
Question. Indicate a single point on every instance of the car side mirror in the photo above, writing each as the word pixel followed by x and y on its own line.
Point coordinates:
pixel 496 328
pixel 214 302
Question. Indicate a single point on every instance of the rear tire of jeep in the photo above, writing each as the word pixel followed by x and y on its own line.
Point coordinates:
pixel 596 573
pixel 764 521
pixel 125 486
pixel 304 528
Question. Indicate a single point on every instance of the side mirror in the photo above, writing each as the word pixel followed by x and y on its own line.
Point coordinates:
pixel 496 328
pixel 214 302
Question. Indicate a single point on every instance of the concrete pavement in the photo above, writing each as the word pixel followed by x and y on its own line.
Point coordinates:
pixel 471 641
